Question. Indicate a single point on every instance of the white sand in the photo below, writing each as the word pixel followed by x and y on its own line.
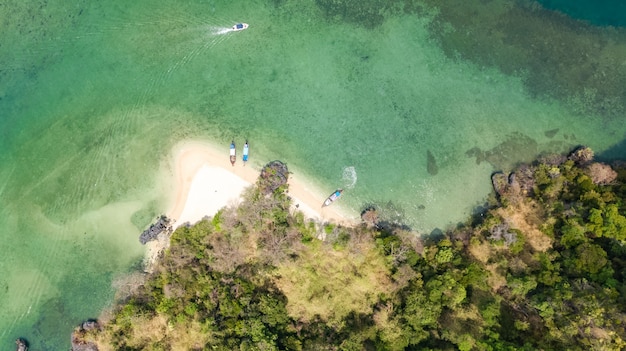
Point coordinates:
pixel 205 181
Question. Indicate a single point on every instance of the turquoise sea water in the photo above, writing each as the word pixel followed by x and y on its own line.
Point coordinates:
pixel 388 101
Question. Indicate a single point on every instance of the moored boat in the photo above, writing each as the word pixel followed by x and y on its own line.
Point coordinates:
pixel 233 153
pixel 333 197
pixel 246 151
pixel 239 26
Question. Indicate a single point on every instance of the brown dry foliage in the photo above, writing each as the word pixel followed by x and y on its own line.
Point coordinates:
pixel 527 216
pixel 600 173
pixel 332 283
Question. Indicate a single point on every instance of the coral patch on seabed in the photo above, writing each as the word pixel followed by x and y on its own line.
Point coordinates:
pixel 551 133
pixel 517 147
pixel 431 164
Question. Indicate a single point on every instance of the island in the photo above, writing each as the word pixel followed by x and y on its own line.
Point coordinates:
pixel 541 267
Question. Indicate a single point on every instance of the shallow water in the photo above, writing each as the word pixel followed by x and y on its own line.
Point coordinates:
pixel 392 108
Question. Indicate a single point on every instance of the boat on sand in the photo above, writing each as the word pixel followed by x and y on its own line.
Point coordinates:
pixel 233 153
pixel 239 27
pixel 333 197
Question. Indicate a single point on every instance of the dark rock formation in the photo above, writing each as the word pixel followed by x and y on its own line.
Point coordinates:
pixel 431 164
pixel 163 224
pixel 79 342
pixel 273 175
pixel 22 345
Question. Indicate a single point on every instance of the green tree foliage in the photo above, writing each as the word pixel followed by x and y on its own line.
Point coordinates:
pixel 256 277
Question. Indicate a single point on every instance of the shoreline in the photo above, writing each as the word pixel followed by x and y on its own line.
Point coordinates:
pixel 201 181
pixel 205 181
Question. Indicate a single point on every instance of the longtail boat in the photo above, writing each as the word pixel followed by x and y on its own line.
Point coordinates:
pixel 233 153
pixel 333 197
pixel 246 151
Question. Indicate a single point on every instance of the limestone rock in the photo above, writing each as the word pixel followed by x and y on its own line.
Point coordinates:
pixel 370 217
pixel 500 183
pixel 582 156
pixel 79 340
pixel 273 176
pixel 525 179
pixel 22 345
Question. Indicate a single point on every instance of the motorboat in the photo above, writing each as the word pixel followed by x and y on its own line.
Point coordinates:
pixel 333 197
pixel 239 27
pixel 233 153
pixel 246 151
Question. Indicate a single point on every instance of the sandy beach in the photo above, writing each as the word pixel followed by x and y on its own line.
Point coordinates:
pixel 205 181
pixel 202 181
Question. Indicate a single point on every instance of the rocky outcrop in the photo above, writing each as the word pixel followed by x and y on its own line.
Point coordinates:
pixel 509 184
pixel 22 345
pixel 525 178
pixel 370 217
pixel 501 232
pixel 162 225
pixel 500 183
pixel 581 156
pixel 79 340
pixel 273 175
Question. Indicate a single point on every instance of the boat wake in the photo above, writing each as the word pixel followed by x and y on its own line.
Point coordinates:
pixel 221 30
pixel 349 177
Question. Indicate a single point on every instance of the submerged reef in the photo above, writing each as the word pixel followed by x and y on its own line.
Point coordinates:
pixel 367 13
pixel 517 146
pixel 555 55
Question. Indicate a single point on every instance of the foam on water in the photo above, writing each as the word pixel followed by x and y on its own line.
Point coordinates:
pixel 221 30
pixel 349 177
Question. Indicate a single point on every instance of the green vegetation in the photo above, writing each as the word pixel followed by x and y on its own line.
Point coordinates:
pixel 543 269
